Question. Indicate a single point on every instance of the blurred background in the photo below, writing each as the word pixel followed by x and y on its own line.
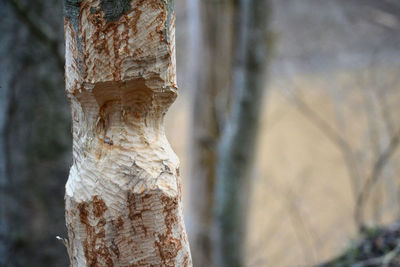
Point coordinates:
pixel 321 179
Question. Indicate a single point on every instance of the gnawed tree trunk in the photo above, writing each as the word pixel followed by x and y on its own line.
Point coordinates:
pixel 123 195
pixel 236 151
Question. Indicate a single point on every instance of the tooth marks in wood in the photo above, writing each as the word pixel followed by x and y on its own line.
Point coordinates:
pixel 123 195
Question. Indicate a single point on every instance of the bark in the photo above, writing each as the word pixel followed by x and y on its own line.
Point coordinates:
pixel 211 90
pixel 238 139
pixel 34 137
pixel 3 178
pixel 5 81
pixel 123 195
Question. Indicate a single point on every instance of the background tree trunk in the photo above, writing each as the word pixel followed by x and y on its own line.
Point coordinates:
pixel 35 137
pixel 212 87
pixel 236 151
pixel 123 195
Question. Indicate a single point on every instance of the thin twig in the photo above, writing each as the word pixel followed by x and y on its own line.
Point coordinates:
pixel 335 138
pixel 299 225
pixel 383 260
pixel 376 172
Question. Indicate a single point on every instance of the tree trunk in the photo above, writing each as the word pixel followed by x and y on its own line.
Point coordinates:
pixel 4 239
pixel 35 152
pixel 236 151
pixel 211 90
pixel 123 195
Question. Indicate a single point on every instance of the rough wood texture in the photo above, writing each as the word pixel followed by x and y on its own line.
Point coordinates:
pixel 123 195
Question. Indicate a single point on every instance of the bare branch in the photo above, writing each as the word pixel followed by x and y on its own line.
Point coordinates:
pixel 376 172
pixel 299 225
pixel 384 260
pixel 335 138
pixel 371 116
pixel 387 118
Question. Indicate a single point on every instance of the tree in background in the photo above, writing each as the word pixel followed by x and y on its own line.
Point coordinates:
pixel 123 195
pixel 35 134
pixel 238 139
pixel 209 108
pixel 234 68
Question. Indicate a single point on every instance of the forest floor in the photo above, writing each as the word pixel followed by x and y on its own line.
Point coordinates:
pixel 379 247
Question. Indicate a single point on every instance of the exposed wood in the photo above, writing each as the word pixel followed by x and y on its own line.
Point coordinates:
pixel 123 195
